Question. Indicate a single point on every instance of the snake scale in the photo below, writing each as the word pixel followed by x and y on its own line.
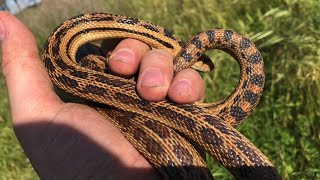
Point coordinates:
pixel 165 133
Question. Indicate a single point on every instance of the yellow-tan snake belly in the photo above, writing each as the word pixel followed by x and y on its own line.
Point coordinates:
pixel 155 128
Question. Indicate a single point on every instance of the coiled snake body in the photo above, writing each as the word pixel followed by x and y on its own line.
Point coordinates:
pixel 152 126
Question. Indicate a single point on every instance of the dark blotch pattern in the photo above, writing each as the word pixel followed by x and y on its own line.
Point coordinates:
pixel 125 99
pixel 255 58
pixel 159 129
pixel 116 83
pixel 79 74
pixel 248 70
pixel 169 34
pixel 63 65
pixel 190 108
pixel 141 104
pixel 101 78
pixel 196 41
pixel 233 46
pixel 257 79
pixel 125 118
pixel 245 84
pixel 138 134
pixel 224 110
pixel 186 56
pixel 223 129
pixel 209 136
pixel 251 97
pixel 154 147
pixel 217 123
pixel 131 21
pixel 189 123
pixel 150 27
pixel 68 81
pixel 55 45
pixel 48 64
pixel 182 120
pixel 218 44
pixel 94 90
pixel 210 35
pixel 109 18
pixel 144 105
pixel 227 35
pixel 243 56
pixel 234 158
pixel 93 65
pixel 236 99
pixel 183 155
pixel 252 156
pixel 245 43
pixel 211 120
pixel 238 113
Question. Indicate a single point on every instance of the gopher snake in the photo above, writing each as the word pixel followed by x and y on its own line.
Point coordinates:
pixel 155 128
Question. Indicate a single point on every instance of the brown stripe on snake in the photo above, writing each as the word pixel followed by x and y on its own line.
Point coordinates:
pixel 210 126
pixel 166 44
pixel 77 21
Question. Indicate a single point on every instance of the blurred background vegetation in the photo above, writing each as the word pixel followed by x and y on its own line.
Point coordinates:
pixel 285 125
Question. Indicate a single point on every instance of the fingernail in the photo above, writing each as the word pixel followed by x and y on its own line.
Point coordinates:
pixel 183 87
pixel 123 55
pixel 152 77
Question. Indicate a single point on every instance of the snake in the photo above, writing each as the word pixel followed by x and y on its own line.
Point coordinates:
pixel 170 136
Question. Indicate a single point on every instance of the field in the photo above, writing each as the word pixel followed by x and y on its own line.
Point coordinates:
pixel 285 125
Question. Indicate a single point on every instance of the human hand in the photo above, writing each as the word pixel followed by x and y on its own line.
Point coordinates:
pixel 67 140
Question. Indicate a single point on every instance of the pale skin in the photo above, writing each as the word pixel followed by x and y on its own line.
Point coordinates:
pixel 67 140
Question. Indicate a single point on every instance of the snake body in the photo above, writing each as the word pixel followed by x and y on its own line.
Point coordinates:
pixel 155 128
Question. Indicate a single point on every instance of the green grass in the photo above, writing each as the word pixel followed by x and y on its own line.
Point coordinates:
pixel 13 163
pixel 285 125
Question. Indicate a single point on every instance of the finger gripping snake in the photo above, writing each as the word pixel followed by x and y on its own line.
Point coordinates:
pixel 165 132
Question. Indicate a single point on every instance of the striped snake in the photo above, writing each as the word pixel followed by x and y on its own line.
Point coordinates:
pixel 166 133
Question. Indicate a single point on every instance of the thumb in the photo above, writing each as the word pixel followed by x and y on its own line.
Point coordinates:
pixel 29 87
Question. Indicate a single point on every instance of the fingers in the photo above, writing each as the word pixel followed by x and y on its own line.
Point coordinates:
pixel 187 87
pixel 155 80
pixel 125 58
pixel 155 75
pixel 28 84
